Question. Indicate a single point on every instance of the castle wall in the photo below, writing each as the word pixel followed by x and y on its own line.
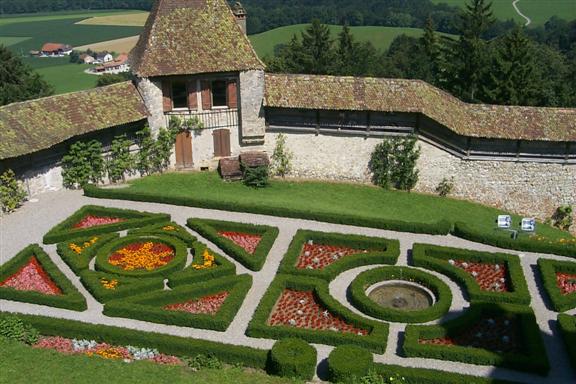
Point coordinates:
pixel 252 123
pixel 151 92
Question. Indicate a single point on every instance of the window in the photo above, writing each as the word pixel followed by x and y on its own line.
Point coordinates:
pixel 219 88
pixel 179 94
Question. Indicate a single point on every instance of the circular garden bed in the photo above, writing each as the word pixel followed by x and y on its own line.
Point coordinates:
pixel 401 295
pixel 142 256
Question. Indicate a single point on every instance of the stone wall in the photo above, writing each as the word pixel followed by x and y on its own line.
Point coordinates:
pixel 252 123
pixel 529 188
pixel 151 92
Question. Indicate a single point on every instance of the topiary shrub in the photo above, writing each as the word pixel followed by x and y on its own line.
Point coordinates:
pixel 347 363
pixel 393 163
pixel 13 328
pixel 256 177
pixel 292 358
pixel 12 194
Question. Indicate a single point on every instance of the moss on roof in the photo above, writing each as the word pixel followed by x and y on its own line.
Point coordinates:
pixel 184 37
pixel 397 95
pixel 34 125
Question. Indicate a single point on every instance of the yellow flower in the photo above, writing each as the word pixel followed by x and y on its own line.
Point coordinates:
pixel 169 228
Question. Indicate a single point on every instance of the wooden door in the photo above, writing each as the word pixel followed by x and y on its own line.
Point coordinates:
pixel 184 150
pixel 221 142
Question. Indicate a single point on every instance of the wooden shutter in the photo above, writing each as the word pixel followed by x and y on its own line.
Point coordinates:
pixel 232 94
pixel 167 95
pixel 221 143
pixel 192 95
pixel 206 95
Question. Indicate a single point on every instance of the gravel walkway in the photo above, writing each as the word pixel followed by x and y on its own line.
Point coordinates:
pixel 31 222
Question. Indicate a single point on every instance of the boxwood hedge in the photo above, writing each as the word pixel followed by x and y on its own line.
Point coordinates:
pixel 258 327
pixel 80 262
pixel 380 251
pixel 127 286
pixel 149 307
pixel 436 258
pixel 548 270
pixel 210 228
pixel 531 358
pixel 347 363
pixel 293 358
pixel 70 297
pixel 169 229
pixel 567 325
pixel 65 230
pixel 359 299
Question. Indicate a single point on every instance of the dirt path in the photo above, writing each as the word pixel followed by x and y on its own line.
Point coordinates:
pixel 528 21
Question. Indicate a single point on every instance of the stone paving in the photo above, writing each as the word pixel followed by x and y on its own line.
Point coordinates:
pixel 31 222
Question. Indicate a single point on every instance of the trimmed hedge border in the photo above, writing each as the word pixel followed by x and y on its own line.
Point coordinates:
pixel 209 229
pixel 155 229
pixel 189 275
pixel 80 262
pixel 532 359
pixel 70 298
pixel 172 345
pixel 347 363
pixel 548 270
pixel 64 231
pixel 258 327
pixel 360 300
pixel 180 254
pixel 148 307
pixel 128 286
pixel 383 251
pixel 441 227
pixel 293 358
pixel 436 258
pixel 567 325
pixel 464 231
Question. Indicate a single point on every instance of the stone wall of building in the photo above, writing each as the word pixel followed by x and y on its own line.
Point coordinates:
pixel 151 92
pixel 253 125
pixel 529 188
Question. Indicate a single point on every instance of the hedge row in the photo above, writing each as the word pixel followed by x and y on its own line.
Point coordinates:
pixel 442 227
pixel 548 270
pixel 80 262
pixel 189 275
pixel 531 358
pixel 293 358
pixel 497 239
pixel 149 307
pixel 172 345
pixel 567 325
pixel 70 297
pixel 180 254
pixel 170 229
pixel 65 230
pixel 258 327
pixel 347 363
pixel 127 286
pixel 360 300
pixel 210 228
pixel 380 251
pixel 436 258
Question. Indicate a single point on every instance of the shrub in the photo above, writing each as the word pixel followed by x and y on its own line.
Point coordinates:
pixel 567 325
pixel 293 358
pixel 82 164
pixel 125 286
pixel 143 159
pixel 256 177
pixel 445 186
pixel 562 218
pixel 168 229
pixel 13 328
pixel 12 194
pixel 393 163
pixel 120 161
pixel 282 157
pixel 79 262
pixel 347 363
pixel 202 361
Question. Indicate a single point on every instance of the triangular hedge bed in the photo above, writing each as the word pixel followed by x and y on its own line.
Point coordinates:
pixel 211 230
pixel 130 219
pixel 150 307
pixel 77 253
pixel 120 286
pixel 69 296
pixel 170 229
pixel 548 269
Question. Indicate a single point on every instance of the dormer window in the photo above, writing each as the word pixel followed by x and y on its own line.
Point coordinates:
pixel 179 94
pixel 219 93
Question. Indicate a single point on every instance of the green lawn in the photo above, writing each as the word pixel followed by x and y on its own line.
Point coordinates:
pixel 20 363
pixel 380 37
pixel 8 41
pixel 68 77
pixel 24 18
pixel 333 198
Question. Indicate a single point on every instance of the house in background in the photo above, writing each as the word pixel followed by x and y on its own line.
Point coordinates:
pixel 87 59
pixel 55 50
pixel 103 57
pixel 119 65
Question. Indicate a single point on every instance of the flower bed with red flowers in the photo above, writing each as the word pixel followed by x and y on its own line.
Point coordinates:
pixel 559 280
pixel 319 256
pixel 32 277
pixel 209 305
pixel 490 277
pixel 90 221
pixel 142 256
pixel 300 309
pixel 566 282
pixel 249 242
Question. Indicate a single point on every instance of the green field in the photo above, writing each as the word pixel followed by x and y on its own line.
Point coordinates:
pixel 68 77
pixel 539 11
pixel 8 41
pixel 380 37
pixel 14 19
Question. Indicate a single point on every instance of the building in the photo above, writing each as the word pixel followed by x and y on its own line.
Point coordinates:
pixel 87 59
pixel 119 65
pixel 103 57
pixel 193 59
pixel 55 50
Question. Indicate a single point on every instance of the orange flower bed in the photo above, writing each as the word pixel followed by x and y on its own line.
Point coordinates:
pixel 78 249
pixel 138 256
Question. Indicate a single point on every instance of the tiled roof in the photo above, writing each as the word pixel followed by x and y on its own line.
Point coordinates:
pixel 34 125
pixel 184 37
pixel 396 95
pixel 51 47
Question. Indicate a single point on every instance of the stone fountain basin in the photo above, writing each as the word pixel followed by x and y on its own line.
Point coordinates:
pixel 401 295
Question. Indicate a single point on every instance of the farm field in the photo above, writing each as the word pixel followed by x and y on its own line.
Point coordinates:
pixel 68 77
pixel 8 41
pixel 125 19
pixel 22 18
pixel 124 44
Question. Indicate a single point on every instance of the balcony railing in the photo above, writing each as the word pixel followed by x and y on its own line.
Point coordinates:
pixel 215 119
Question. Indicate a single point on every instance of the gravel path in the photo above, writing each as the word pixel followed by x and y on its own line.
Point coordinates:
pixel 518 11
pixel 31 222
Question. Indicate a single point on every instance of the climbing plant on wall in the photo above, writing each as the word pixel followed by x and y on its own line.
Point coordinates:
pixel 393 163
pixel 82 164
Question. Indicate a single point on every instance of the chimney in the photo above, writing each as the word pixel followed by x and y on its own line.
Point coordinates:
pixel 240 14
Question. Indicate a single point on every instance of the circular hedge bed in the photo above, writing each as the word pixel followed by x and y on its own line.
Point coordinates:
pixel 142 256
pixel 293 358
pixel 348 362
pixel 360 299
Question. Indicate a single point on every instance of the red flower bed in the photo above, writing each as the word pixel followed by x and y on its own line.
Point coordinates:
pixel 247 241
pixel 209 305
pixel 566 282
pixel 499 334
pixel 138 256
pixel 300 309
pixel 490 277
pixel 93 221
pixel 32 277
pixel 318 256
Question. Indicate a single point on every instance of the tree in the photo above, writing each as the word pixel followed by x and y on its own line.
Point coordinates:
pixel 393 163
pixel 75 57
pixel 290 58
pixel 318 55
pixel 282 157
pixel 120 160
pixel 108 79
pixel 18 82
pixel 354 58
